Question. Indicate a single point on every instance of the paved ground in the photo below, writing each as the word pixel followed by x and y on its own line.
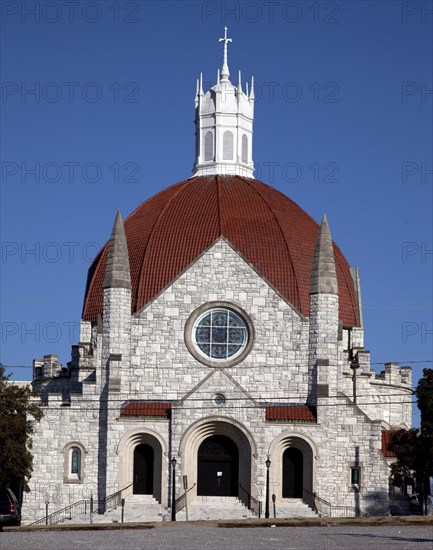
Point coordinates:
pixel 197 537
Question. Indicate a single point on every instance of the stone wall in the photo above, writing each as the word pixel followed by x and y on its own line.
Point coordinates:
pixel 145 357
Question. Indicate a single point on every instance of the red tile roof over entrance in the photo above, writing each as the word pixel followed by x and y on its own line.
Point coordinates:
pixel 294 413
pixel 169 231
pixel 146 408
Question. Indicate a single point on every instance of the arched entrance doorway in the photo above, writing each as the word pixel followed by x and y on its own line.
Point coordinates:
pixel 293 473
pixel 218 467
pixel 143 469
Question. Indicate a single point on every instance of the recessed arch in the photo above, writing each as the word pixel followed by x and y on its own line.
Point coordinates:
pixel 74 462
pixel 207 428
pixel 129 447
pixel 297 451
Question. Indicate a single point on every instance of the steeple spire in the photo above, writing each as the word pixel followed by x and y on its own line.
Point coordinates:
pixel 225 73
pixel 117 273
pixel 224 117
pixel 323 273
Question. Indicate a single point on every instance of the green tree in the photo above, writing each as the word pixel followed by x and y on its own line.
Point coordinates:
pixel 424 394
pixel 18 414
pixel 414 448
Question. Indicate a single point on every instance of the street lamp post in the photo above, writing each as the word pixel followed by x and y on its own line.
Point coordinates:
pixel 354 365
pixel 268 465
pixel 173 489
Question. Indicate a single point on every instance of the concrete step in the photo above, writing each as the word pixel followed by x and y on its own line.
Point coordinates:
pixel 293 508
pixel 138 508
pixel 220 508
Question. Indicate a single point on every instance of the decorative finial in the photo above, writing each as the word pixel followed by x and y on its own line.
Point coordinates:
pixel 239 88
pixel 200 92
pixel 323 273
pixel 225 68
pixel 252 95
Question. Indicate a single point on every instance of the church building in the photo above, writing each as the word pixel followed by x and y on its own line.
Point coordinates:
pixel 221 354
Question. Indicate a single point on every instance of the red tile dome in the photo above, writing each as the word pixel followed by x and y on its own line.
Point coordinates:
pixel 169 231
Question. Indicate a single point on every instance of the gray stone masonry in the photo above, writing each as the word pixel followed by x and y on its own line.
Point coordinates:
pixel 145 356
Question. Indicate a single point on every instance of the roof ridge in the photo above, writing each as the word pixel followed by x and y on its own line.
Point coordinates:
pixel 284 238
pixel 182 186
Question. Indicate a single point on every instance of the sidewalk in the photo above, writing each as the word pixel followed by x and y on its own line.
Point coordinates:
pixel 310 522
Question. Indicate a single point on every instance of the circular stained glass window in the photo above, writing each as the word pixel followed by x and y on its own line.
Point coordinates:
pixel 220 334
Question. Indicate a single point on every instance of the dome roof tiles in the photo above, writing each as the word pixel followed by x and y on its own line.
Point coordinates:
pixel 169 231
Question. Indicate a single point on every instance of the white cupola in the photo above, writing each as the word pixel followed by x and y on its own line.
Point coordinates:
pixel 224 118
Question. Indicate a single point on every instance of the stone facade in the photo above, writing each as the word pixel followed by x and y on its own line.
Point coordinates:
pixel 144 357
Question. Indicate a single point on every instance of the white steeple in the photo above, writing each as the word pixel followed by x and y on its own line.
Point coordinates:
pixel 224 117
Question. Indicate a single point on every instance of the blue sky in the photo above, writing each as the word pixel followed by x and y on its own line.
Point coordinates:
pixel 343 126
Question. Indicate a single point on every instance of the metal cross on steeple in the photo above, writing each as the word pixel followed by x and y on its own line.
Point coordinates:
pixel 225 68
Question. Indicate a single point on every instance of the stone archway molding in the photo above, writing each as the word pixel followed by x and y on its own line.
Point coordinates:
pixel 217 425
pixel 125 451
pixel 287 440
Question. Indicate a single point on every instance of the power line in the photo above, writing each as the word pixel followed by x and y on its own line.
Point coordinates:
pixel 255 366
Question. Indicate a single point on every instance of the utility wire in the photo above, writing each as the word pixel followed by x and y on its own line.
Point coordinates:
pixel 250 366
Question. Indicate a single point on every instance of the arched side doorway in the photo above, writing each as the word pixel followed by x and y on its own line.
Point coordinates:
pixel 144 457
pixel 141 464
pixel 218 467
pixel 293 473
pixel 292 465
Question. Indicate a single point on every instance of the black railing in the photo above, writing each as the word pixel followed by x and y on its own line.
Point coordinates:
pixel 325 508
pixel 347 512
pixel 115 499
pixel 83 506
pixel 75 509
pixel 181 501
pixel 249 501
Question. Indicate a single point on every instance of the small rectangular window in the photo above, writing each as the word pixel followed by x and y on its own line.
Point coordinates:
pixel 355 476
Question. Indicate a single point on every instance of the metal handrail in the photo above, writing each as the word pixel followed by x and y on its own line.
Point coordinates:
pixel 113 500
pixel 179 503
pixel 325 508
pixel 347 512
pixel 83 505
pixel 249 501
pixel 64 513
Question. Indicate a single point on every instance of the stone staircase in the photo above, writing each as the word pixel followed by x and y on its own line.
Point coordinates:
pixel 215 508
pixel 293 508
pixel 138 508
pixel 145 509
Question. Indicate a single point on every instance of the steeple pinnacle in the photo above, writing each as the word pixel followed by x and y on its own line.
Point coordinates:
pixel 224 117
pixel 117 273
pixel 323 273
pixel 225 73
